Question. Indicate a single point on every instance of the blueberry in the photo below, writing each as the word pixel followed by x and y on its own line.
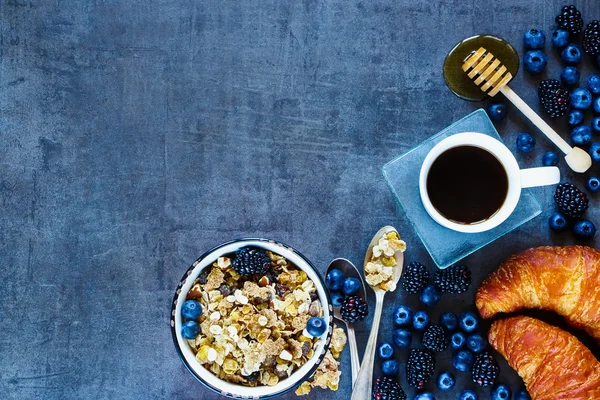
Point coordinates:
pixel 535 61
pixel 469 321
pixel 402 315
pixel 522 394
pixel 335 279
pixel 581 99
pixel 557 222
pixel 462 360
pixel 421 320
pixel 446 381
pixel 496 111
pixel 550 158
pixel 449 320
pixel 191 309
pixel 593 84
pixel 402 338
pixel 390 367
pixel 593 184
pixel 584 230
pixel 316 326
pixel 469 394
pixel 596 125
pixel 571 54
pixel 430 295
pixel 500 392
pixel 581 135
pixel 570 75
pixel 336 299
pixel 424 396
pixel 351 286
pixel 534 39
pixel 189 330
pixel 385 350
pixel 525 142
pixel 476 343
pixel 458 340
pixel 596 105
pixel 560 38
pixel 575 117
pixel 594 151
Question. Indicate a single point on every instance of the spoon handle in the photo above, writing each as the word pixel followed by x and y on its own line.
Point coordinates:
pixel 364 382
pixel 354 360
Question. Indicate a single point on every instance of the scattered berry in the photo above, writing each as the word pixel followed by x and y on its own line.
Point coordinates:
pixel 596 125
pixel 571 54
pixel 419 367
pixel 468 321
pixel 462 360
pixel 250 261
pixel 485 370
pixel 385 350
pixel 449 320
pixel 596 105
pixel 560 38
pixel 430 296
pixel 554 98
pixel 446 381
pixel 594 151
pixel 435 339
pixel 535 61
pixel 402 338
pixel 570 200
pixel 454 279
pixel 570 75
pixel 351 286
pixel 390 367
pixel 534 39
pixel 557 222
pixel 387 389
pixel 458 340
pixel 591 38
pixel 581 99
pixel 593 84
pixel 402 315
pixel 575 117
pixel 550 158
pixel 335 279
pixel 354 309
pixel 500 392
pixel 496 111
pixel 570 20
pixel 424 396
pixel 421 320
pixel 522 394
pixel 593 184
pixel 316 326
pixel 468 395
pixel 581 135
pixel 189 330
pixel 191 309
pixel 414 277
pixel 584 230
pixel 337 299
pixel 476 343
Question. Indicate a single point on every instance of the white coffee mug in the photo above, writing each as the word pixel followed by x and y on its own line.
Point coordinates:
pixel 517 179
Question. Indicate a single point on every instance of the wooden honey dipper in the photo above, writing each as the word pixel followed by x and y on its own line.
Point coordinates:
pixel 491 76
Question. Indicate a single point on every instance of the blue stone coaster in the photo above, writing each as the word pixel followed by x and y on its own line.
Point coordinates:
pixel 446 246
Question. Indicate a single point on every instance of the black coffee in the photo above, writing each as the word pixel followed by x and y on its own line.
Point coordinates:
pixel 467 184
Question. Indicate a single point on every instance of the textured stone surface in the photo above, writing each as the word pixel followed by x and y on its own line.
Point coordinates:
pixel 137 134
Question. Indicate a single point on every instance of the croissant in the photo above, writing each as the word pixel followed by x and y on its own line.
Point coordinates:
pixel 553 364
pixel 565 280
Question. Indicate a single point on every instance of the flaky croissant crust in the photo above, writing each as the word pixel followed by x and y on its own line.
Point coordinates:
pixel 565 280
pixel 553 364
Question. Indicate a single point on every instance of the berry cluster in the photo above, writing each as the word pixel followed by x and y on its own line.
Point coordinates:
pixel 454 279
pixel 572 204
pixel 344 293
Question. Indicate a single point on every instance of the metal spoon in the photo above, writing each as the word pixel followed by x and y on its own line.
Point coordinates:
pixel 364 382
pixel 350 271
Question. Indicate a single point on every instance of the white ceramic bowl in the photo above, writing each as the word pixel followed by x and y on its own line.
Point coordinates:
pixel 206 377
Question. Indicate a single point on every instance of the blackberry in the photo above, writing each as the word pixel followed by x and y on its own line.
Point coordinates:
pixel 387 389
pixel 570 20
pixel 554 98
pixel 414 277
pixel 250 261
pixel 419 367
pixel 454 279
pixel 354 309
pixel 253 377
pixel 435 339
pixel 485 370
pixel 571 201
pixel 591 38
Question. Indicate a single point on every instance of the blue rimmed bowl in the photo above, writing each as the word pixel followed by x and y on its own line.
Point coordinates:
pixel 206 377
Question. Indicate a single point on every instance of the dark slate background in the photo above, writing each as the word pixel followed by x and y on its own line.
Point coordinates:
pixel 135 135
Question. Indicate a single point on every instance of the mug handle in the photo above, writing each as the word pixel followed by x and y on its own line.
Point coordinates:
pixel 541 176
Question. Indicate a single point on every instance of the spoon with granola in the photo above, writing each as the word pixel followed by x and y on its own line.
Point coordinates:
pixel 383 267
